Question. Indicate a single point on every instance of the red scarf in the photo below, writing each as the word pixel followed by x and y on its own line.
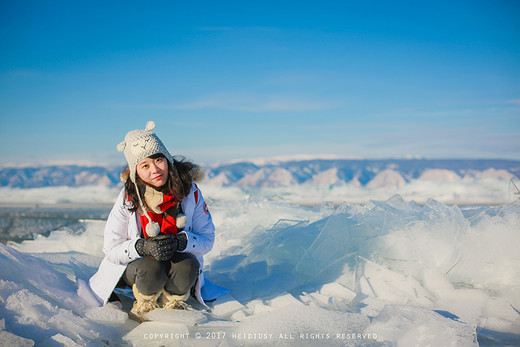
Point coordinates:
pixel 167 222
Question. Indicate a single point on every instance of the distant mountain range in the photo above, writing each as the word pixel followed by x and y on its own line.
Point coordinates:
pixel 369 173
pixel 58 175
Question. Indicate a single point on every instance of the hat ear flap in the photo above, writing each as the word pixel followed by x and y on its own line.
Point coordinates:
pixel 150 126
pixel 121 147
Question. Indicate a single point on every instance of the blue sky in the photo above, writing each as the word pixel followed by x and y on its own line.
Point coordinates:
pixel 226 80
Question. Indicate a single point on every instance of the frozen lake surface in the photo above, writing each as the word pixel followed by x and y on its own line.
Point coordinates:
pixel 378 273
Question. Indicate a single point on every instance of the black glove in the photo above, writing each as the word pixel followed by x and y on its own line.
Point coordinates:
pixel 161 247
pixel 182 241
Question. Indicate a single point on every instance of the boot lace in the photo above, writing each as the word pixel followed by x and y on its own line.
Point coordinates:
pixel 146 306
pixel 176 305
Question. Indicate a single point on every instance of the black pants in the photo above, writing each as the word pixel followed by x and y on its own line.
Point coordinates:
pixel 176 276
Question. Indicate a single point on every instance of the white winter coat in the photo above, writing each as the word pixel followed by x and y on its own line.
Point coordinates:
pixel 123 229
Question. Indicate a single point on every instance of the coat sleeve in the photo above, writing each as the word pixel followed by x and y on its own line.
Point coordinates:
pixel 119 244
pixel 201 232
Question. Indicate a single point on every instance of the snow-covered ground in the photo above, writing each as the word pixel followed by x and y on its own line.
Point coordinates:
pixel 303 269
pixel 474 191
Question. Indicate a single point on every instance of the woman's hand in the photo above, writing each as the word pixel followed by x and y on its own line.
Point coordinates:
pixel 161 247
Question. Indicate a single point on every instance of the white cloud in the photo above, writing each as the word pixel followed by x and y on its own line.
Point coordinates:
pixel 514 102
pixel 246 102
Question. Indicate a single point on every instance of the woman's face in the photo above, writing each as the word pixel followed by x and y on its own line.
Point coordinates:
pixel 153 171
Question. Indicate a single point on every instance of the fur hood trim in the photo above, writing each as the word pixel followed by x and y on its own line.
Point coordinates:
pixel 197 174
pixel 125 175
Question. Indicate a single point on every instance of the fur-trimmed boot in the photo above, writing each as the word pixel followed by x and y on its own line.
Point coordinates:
pixel 143 304
pixel 173 301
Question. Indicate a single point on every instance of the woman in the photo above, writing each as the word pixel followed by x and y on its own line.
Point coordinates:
pixel 157 231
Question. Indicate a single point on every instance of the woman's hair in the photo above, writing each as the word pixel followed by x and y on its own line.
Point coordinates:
pixel 181 175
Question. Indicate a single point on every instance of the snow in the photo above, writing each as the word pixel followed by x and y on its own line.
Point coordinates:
pixel 267 177
pixel 325 178
pixel 12 340
pixel 460 182
pixel 387 178
pixel 388 271
pixel 182 317
pixel 491 173
pixel 439 175
pixel 153 333
pixel 416 326
pixel 466 191
pixel 59 195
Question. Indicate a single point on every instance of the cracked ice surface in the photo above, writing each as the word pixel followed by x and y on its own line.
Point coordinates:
pixel 391 271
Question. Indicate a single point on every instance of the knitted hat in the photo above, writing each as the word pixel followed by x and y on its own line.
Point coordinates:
pixel 138 145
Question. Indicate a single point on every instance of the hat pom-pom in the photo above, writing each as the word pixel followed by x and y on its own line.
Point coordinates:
pixel 121 146
pixel 152 229
pixel 181 221
pixel 150 126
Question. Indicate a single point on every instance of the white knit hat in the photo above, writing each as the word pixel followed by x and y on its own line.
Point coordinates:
pixel 140 144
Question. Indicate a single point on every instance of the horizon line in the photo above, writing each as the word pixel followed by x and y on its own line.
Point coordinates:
pixel 260 161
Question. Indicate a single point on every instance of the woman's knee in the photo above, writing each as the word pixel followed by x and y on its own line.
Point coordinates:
pixel 148 274
pixel 183 274
pixel 189 265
